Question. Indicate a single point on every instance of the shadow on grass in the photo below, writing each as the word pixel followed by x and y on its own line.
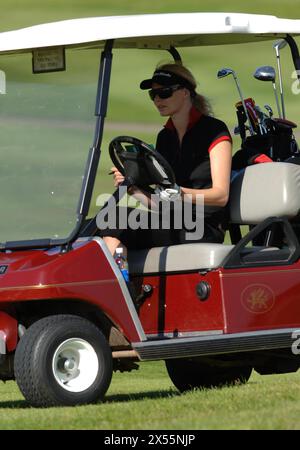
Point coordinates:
pixel 114 398
pixel 140 396
pixel 14 404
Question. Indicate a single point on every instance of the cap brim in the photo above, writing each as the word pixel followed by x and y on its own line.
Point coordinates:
pixel 165 78
pixel 146 84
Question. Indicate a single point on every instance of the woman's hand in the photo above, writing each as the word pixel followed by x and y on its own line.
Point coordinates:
pixel 118 177
pixel 137 193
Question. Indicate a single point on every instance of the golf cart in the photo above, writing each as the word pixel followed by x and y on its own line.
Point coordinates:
pixel 213 312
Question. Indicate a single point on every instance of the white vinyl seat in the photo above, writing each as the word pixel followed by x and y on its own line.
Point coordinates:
pixel 183 257
pixel 261 191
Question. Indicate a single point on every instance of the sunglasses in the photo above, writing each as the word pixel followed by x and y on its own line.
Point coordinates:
pixel 165 92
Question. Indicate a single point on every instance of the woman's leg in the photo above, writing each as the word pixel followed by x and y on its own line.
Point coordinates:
pixel 113 237
pixel 147 238
pixel 113 243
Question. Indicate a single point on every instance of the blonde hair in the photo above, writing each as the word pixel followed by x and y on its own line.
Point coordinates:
pixel 200 102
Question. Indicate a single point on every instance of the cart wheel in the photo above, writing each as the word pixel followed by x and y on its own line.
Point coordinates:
pixel 187 374
pixel 63 360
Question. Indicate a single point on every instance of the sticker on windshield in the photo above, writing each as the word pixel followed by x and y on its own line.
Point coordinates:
pixel 48 60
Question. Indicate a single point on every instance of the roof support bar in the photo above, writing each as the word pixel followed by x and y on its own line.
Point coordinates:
pixel 100 113
pixel 175 54
pixel 295 53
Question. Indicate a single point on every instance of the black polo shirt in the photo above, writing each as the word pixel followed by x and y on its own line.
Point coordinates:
pixel 190 160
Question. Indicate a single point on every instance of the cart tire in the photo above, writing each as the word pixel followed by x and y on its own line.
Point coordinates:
pixel 63 360
pixel 191 373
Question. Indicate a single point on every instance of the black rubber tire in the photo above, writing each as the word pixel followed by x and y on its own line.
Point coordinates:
pixel 35 353
pixel 191 373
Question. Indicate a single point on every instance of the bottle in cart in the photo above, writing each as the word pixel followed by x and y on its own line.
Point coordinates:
pixel 122 263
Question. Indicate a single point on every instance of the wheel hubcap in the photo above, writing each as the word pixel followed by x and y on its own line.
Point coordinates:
pixel 75 365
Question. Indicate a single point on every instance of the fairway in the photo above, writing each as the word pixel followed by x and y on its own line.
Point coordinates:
pixel 146 400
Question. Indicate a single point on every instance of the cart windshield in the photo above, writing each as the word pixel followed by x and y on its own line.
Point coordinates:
pixel 46 129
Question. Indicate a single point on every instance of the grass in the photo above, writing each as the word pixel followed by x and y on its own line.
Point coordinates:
pixel 126 100
pixel 20 13
pixel 127 103
pixel 147 400
pixel 72 102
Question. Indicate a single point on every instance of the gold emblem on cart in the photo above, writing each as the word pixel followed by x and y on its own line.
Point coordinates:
pixel 258 298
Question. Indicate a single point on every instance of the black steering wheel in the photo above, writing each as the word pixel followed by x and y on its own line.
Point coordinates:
pixel 140 163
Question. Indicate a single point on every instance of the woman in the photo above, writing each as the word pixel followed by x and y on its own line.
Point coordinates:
pixel 198 148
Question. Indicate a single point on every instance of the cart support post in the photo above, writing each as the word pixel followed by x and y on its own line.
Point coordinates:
pixel 100 112
pixel 295 53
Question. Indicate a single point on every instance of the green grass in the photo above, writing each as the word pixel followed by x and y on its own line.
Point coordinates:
pixel 146 399
pixel 127 102
pixel 21 13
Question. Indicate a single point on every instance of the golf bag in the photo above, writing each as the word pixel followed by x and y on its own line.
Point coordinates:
pixel 272 140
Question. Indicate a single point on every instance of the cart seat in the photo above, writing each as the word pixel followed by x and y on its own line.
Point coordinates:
pixel 174 258
pixel 190 257
pixel 259 192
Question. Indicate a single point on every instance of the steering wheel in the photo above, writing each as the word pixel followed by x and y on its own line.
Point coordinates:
pixel 139 163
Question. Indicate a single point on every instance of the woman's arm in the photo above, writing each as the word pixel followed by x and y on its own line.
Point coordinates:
pixel 220 166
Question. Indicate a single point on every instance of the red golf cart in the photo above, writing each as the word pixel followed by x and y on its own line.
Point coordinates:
pixel 213 312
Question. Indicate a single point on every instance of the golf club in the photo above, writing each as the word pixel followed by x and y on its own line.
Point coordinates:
pixel 278 45
pixel 267 73
pixel 261 120
pixel 270 110
pixel 224 73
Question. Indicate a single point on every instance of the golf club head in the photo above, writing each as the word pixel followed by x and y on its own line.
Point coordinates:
pixel 224 72
pixel 278 45
pixel 269 109
pixel 265 73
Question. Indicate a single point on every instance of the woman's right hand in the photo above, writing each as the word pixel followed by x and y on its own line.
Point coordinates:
pixel 118 177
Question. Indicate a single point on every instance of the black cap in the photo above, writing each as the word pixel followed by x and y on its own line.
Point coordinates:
pixel 165 78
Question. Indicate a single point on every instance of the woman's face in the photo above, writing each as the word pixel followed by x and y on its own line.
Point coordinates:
pixel 172 105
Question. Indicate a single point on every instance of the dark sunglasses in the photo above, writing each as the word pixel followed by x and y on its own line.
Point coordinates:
pixel 165 92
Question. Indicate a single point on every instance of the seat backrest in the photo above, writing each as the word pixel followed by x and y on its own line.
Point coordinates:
pixel 265 190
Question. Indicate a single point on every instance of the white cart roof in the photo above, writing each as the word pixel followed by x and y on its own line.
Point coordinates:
pixel 150 31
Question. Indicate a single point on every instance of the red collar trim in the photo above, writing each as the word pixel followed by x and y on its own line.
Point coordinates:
pixel 194 117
